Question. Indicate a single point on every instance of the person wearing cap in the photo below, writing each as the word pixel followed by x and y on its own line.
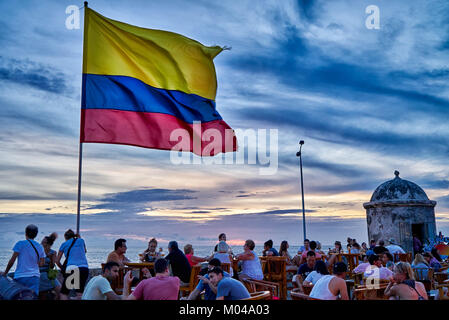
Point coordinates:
pixel 332 286
pixel 393 247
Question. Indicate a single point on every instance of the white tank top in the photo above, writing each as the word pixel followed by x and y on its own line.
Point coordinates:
pixel 252 268
pixel 321 289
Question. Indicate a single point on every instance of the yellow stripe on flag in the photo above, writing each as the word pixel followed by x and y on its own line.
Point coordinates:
pixel 159 58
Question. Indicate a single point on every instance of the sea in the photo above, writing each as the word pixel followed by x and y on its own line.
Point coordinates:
pixel 97 255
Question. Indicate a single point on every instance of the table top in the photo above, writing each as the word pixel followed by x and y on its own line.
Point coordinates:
pixel 139 264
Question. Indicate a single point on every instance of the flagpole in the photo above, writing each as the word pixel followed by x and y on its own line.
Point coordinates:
pixel 80 153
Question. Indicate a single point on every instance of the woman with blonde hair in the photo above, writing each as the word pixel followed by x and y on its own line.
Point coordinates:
pixel 403 286
pixel 420 262
pixel 193 260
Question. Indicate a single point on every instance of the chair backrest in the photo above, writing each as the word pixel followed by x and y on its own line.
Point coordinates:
pixel 423 274
pixel 260 295
pixel 301 296
pixel 262 285
pixel 194 277
pixel 405 257
pixel 226 267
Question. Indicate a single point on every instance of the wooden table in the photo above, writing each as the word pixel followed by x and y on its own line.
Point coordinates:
pixel 140 266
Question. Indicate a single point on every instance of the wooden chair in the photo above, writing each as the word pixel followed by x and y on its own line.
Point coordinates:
pixel 440 277
pixel 261 285
pixel 226 267
pixel 352 260
pixel 440 288
pixel 275 270
pixel 405 257
pixel 259 295
pixel 186 290
pixel 424 275
pixel 301 296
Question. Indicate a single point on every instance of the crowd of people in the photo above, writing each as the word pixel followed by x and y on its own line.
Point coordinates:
pixel 36 269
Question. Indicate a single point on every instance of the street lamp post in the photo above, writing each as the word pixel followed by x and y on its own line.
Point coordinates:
pixel 298 154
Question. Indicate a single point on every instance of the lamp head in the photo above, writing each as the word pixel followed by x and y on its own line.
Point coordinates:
pixel 301 142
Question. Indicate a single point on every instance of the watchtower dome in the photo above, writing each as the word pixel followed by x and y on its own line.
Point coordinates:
pixel 398 209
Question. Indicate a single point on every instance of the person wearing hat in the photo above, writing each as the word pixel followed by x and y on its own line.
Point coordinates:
pixel 393 247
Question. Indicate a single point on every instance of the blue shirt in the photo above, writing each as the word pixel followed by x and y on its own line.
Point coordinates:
pixel 232 289
pixel 77 255
pixel 28 262
pixel 208 293
pixel 275 252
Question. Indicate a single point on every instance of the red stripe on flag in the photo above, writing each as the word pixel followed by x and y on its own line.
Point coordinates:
pixel 153 130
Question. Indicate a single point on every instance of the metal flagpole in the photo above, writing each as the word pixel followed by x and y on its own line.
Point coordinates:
pixel 80 154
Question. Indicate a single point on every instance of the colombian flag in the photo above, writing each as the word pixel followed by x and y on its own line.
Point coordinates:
pixel 140 85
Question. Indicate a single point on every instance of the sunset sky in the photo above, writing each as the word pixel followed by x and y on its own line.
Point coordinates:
pixel 366 102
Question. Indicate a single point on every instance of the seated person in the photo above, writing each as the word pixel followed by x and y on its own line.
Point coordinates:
pixel 318 272
pixel 431 261
pixel 193 260
pixel 268 249
pixel 227 287
pixel 180 266
pixel 375 270
pixel 402 285
pixel 305 269
pixel 313 246
pixel 251 267
pixel 387 260
pixel 223 255
pixel 332 286
pixel 118 255
pixel 160 287
pixel 150 254
pixel 380 248
pixel 420 263
pixel 99 287
pixel 210 291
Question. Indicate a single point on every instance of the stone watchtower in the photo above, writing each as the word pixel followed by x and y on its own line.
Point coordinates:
pixel 398 209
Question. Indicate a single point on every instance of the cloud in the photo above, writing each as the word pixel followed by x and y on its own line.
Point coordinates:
pixel 33 74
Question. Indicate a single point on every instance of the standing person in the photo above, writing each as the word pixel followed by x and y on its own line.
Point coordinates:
pixel 189 253
pixel 48 279
pixel 30 255
pixel 251 267
pixel 118 255
pixel 227 287
pixel 150 254
pixel 180 266
pixel 222 237
pixel 402 285
pixel 268 249
pixel 160 287
pixel 330 287
pixel 99 287
pixel 417 244
pixel 74 250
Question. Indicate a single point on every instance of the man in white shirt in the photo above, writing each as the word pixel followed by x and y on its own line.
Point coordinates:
pixel 99 287
pixel 393 247
pixel 30 256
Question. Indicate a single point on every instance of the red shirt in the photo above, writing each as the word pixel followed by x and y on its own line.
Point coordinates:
pixel 189 257
pixel 158 288
pixel 317 255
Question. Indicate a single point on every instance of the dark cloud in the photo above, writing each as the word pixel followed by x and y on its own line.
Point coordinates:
pixel 141 199
pixel 36 75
